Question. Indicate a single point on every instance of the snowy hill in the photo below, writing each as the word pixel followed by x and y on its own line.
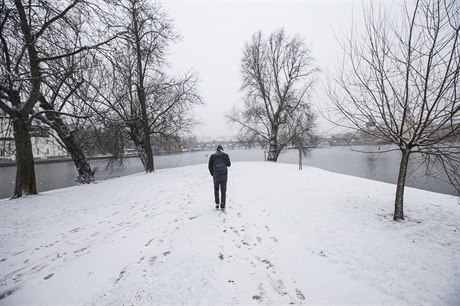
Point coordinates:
pixel 288 237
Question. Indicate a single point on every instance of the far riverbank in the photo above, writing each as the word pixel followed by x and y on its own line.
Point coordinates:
pixel 380 167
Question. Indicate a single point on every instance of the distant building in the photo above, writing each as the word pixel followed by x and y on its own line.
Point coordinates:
pixel 44 142
pixel 324 142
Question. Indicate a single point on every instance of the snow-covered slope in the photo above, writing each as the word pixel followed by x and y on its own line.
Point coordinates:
pixel 289 236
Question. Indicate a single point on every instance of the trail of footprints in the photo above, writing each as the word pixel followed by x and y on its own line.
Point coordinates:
pixel 154 251
pixel 83 243
pixel 151 256
pixel 153 260
pixel 243 240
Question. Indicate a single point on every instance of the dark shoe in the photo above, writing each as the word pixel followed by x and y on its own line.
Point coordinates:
pixel 223 208
pixel 217 206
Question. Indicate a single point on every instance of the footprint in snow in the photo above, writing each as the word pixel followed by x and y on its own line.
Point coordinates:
pixel 269 266
pixel 259 297
pixel 299 294
pixel 245 243
pixel 152 260
pixel 75 230
pixel 120 276
pixel 80 250
pixel 148 243
pixel 278 286
pixel 17 278
pixel 7 293
pixel 140 260
pixel 234 230
pixel 321 253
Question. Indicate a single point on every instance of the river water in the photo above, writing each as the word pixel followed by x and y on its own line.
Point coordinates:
pixel 381 167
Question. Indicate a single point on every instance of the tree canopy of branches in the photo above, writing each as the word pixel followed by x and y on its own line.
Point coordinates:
pixel 399 83
pixel 62 106
pixel 136 97
pixel 278 75
pixel 33 35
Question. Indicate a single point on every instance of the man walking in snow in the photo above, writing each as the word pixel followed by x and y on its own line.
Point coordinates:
pixel 218 163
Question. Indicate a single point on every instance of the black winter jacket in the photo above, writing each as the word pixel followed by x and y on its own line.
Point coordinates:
pixel 213 158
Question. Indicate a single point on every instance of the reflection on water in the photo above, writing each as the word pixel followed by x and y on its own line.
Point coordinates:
pixel 371 163
pixel 382 167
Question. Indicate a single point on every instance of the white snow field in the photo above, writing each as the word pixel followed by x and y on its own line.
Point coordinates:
pixel 288 237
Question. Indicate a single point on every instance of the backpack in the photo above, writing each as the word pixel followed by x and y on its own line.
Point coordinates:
pixel 219 167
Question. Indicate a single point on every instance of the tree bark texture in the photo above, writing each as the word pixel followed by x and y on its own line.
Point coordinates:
pixel 399 201
pixel 85 174
pixel 273 150
pixel 146 148
pixel 140 147
pixel 25 172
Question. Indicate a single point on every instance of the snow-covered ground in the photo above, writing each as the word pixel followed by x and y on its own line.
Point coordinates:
pixel 288 237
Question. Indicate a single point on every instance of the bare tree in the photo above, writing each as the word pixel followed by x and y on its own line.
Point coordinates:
pixel 33 34
pixel 399 83
pixel 172 100
pixel 148 33
pixel 135 97
pixel 278 75
pixel 60 104
pixel 169 103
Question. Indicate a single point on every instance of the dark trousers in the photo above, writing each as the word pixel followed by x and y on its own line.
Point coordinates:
pixel 222 184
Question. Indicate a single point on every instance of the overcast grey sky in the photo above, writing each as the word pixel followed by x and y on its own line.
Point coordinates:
pixel 213 34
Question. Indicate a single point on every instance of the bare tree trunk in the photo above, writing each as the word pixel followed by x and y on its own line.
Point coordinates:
pixel 25 172
pixel 300 158
pixel 146 148
pixel 142 155
pixel 140 147
pixel 399 201
pixel 85 174
pixel 273 151
pixel 146 144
